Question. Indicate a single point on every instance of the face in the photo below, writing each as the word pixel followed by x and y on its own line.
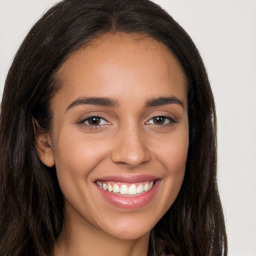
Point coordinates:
pixel 119 135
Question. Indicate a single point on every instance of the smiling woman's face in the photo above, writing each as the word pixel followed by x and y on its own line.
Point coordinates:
pixel 119 135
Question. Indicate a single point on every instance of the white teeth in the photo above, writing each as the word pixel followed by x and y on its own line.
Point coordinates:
pixel 116 188
pixel 126 189
pixel 110 188
pixel 99 184
pixel 139 189
pixel 150 185
pixel 132 190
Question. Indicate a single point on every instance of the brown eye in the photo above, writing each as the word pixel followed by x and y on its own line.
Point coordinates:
pixel 159 120
pixel 95 121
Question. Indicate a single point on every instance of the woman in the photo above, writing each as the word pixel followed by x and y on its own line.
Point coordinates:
pixel 84 171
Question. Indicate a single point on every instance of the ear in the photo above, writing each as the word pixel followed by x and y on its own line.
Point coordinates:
pixel 43 145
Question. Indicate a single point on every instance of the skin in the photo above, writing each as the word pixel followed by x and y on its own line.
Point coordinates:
pixel 131 69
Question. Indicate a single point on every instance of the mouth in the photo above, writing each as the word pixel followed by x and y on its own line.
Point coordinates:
pixel 128 192
pixel 126 189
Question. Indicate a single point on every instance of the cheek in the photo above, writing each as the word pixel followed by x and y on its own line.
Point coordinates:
pixel 176 158
pixel 173 156
pixel 75 158
pixel 173 153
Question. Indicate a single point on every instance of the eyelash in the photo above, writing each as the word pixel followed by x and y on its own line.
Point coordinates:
pixel 167 121
pixel 94 119
pixel 170 121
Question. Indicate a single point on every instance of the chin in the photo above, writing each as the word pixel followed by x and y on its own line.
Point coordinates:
pixel 130 228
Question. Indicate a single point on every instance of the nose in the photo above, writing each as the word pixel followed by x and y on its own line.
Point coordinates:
pixel 130 148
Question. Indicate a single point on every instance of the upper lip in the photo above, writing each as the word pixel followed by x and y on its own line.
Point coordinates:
pixel 128 178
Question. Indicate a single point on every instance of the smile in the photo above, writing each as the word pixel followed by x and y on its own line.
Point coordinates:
pixel 126 188
pixel 128 192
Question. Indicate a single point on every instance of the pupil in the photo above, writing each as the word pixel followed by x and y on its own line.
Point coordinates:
pixel 94 120
pixel 159 119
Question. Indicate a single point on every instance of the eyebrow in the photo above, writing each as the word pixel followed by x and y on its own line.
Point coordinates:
pixel 109 102
pixel 164 101
pixel 94 101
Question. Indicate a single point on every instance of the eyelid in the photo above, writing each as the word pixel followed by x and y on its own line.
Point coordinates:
pixel 167 116
pixel 86 119
pixel 172 120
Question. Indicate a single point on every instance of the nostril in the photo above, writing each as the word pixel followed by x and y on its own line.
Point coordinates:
pixel 133 157
pixel 130 147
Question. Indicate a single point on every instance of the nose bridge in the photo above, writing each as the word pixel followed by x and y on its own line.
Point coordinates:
pixel 130 147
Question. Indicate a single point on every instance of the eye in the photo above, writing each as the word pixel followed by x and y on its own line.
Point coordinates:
pixel 161 120
pixel 94 121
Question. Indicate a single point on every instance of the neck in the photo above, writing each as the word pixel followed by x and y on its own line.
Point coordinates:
pixel 85 239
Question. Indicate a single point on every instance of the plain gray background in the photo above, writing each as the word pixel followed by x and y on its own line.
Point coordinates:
pixel 225 33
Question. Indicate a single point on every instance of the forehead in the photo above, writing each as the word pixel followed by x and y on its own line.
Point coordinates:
pixel 122 62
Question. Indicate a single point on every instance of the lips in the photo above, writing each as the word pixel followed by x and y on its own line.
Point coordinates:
pixel 129 192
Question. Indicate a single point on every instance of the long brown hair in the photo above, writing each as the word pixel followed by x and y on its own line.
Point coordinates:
pixel 31 203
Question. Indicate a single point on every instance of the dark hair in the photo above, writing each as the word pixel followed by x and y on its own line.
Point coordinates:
pixel 31 203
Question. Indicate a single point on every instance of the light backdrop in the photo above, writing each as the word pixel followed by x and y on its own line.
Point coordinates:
pixel 225 33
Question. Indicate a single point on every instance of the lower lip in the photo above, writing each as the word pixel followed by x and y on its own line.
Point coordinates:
pixel 129 202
